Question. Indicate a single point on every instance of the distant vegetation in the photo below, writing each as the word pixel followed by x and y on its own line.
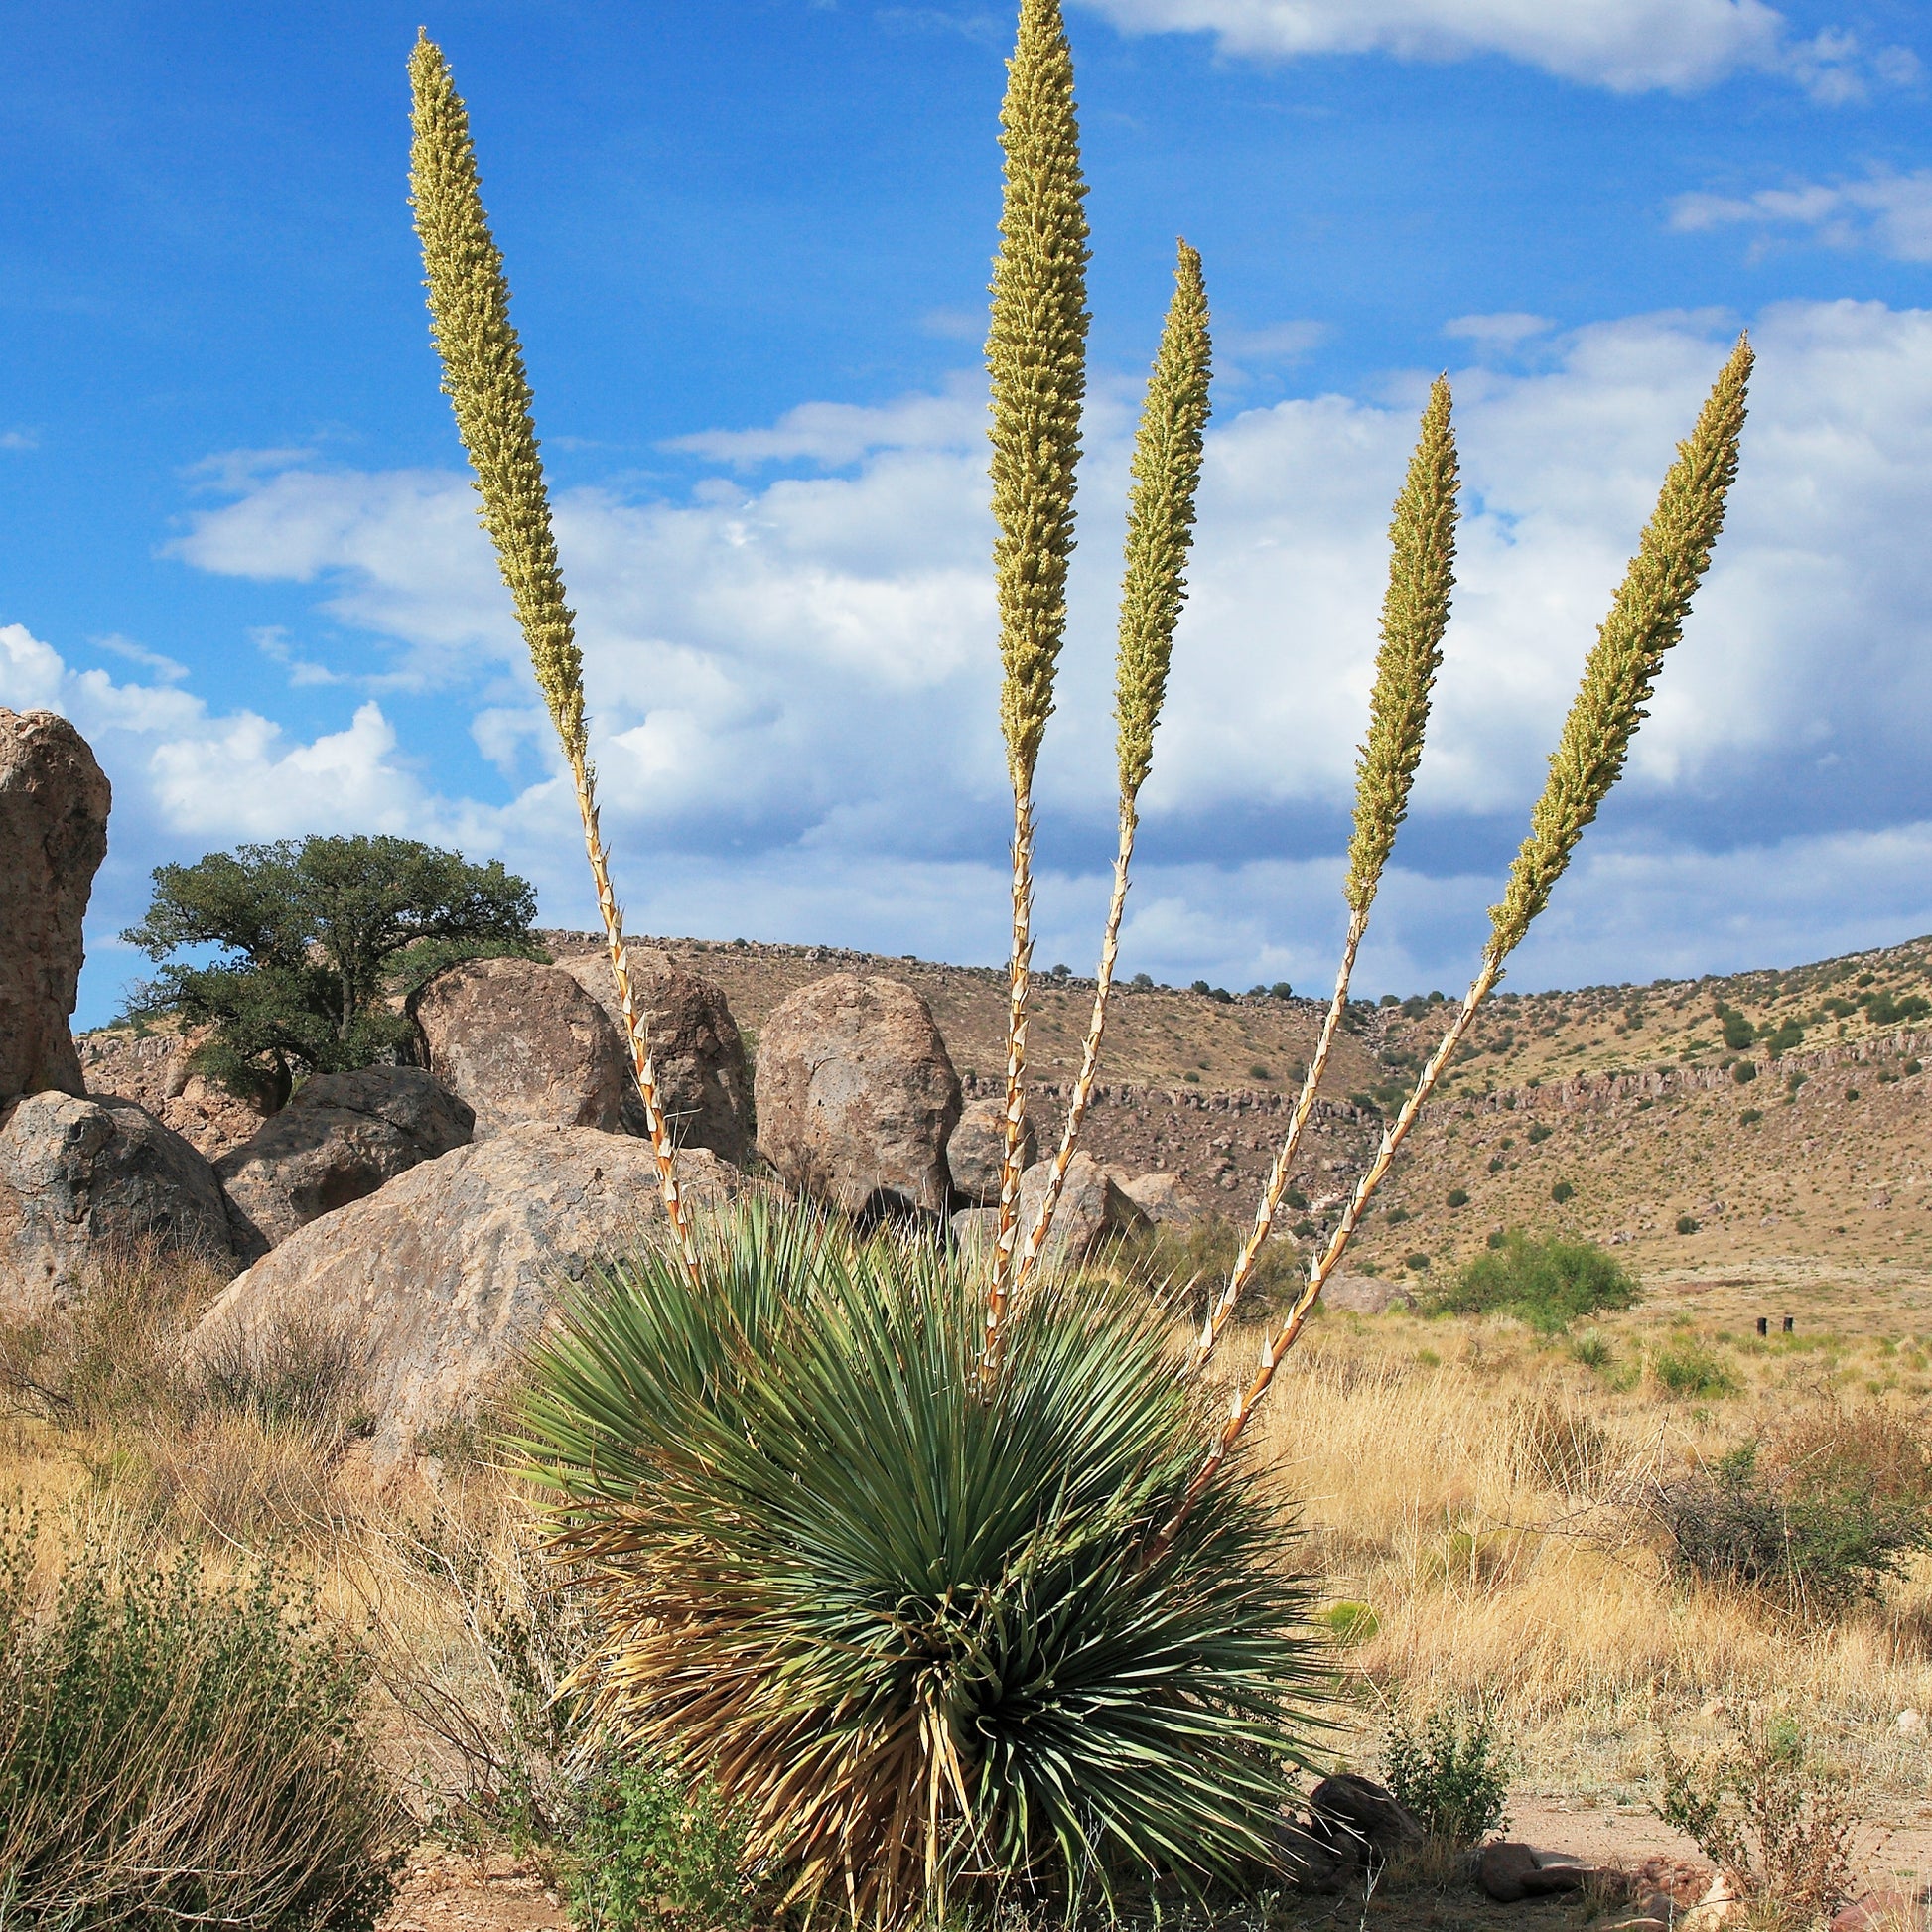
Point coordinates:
pixel 1547 1284
pixel 311 938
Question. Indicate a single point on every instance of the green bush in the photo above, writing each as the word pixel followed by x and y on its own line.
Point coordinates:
pixel 1745 1072
pixel 1562 1192
pixel 1453 1770
pixel 827 1558
pixel 1688 1224
pixel 1418 1261
pixel 1539 1133
pixel 1689 1369
pixel 179 1753
pixel 1738 1031
pixel 1547 1284
pixel 1819 1513
pixel 1750 1117
pixel 1458 1197
pixel 653 1853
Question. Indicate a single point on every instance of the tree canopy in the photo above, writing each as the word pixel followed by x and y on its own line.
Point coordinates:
pixel 312 938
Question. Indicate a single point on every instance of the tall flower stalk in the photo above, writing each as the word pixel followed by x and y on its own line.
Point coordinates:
pixel 1035 354
pixel 1645 621
pixel 483 377
pixel 1415 617
pixel 1160 534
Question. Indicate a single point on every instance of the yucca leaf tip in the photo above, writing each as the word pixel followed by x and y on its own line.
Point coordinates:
pixel 1036 355
pixel 1160 518
pixel 1645 621
pixel 1414 616
pixel 485 379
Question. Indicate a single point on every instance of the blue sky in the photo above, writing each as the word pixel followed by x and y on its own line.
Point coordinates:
pixel 750 240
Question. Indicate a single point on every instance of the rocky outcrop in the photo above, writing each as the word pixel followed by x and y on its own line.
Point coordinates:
pixel 704 1082
pixel 78 1177
pixel 1166 1200
pixel 156 1072
pixel 54 801
pixel 978 1147
pixel 1365 1295
pixel 1093 1211
pixel 521 1044
pixel 856 1097
pixel 446 1275
pixel 339 1138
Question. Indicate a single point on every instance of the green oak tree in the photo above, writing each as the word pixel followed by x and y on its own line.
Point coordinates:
pixel 312 939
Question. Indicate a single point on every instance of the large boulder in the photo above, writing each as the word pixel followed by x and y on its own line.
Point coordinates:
pixel 444 1276
pixel 80 1177
pixel 1166 1200
pixel 522 1043
pixel 340 1137
pixel 856 1097
pixel 1093 1212
pixel 54 801
pixel 978 1148
pixel 704 1082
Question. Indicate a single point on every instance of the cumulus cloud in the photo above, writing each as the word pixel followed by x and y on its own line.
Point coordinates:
pixel 792 676
pixel 1886 211
pixel 1628 46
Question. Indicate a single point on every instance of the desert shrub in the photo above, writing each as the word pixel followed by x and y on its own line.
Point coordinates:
pixel 1592 1350
pixel 1738 1031
pixel 492 1700
pixel 1458 1197
pixel 1141 982
pixel 1818 1514
pixel 1418 1261
pixel 1451 1768
pixel 1184 1270
pixel 1546 1283
pixel 1557 1447
pixel 1750 1117
pixel 1762 1810
pixel 1562 1192
pixel 178 1752
pixel 1688 1224
pixel 1539 1133
pixel 1349 1624
pixel 827 1557
pixel 1687 1367
pixel 1745 1072
pixel 297 1367
pixel 653 1851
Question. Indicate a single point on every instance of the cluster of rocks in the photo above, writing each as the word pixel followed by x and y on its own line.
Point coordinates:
pixel 432 1209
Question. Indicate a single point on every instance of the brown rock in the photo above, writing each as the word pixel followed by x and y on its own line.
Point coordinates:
pixel 1093 1211
pixel 1166 1200
pixel 1365 1295
pixel 78 1175
pixel 54 801
pixel 1884 1911
pixel 156 1072
pixel 1362 1820
pixel 339 1138
pixel 977 1149
pixel 856 1097
pixel 522 1043
pixel 446 1275
pixel 1505 1872
pixel 704 1083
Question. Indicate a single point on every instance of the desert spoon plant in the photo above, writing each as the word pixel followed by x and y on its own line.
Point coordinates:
pixel 483 377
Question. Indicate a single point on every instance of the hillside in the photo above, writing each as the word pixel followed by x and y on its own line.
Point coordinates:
pixel 1784 1112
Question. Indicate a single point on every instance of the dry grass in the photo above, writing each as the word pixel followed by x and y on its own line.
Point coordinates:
pixel 1482 1495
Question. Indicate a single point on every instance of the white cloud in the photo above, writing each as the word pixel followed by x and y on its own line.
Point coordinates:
pixel 1888 212
pixel 836 433
pixel 794 683
pixel 1502 331
pixel 1628 46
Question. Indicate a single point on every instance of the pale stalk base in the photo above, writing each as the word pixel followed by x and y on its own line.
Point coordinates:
pixel 1278 1346
pixel 1076 1112
pixel 1019 985
pixel 636 1028
pixel 1270 1199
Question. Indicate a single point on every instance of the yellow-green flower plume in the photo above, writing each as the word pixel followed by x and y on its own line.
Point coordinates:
pixel 483 377
pixel 1645 621
pixel 1160 534
pixel 1415 615
pixel 1161 519
pixel 1035 354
